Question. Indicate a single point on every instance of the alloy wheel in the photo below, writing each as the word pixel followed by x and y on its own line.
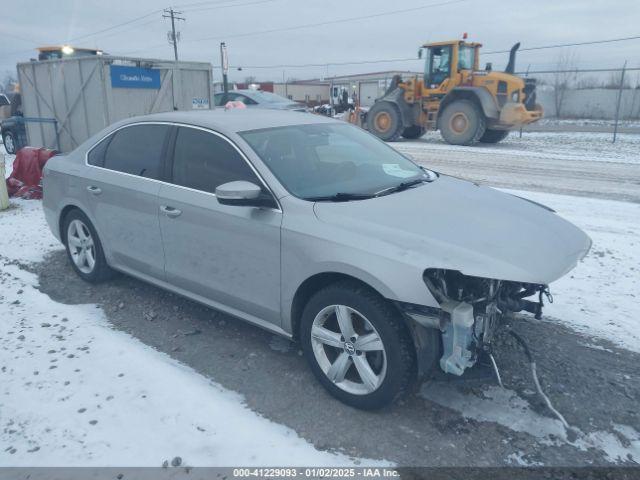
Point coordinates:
pixel 81 246
pixel 8 144
pixel 348 349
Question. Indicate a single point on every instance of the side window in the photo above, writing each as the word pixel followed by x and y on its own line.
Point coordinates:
pixel 137 150
pixel 438 65
pixel 202 160
pixel 96 154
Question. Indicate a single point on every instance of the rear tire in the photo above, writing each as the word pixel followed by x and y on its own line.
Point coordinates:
pixel 357 345
pixel 494 136
pixel 416 131
pixel 84 248
pixel 384 121
pixel 9 141
pixel 462 123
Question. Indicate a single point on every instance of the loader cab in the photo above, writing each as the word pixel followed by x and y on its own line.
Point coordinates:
pixel 437 65
pixel 446 59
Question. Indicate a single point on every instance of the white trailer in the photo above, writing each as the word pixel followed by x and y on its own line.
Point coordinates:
pixel 65 101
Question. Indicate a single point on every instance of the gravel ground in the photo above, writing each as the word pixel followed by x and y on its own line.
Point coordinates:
pixel 593 383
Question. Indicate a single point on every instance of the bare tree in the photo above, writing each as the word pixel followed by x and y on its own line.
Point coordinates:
pixel 563 79
pixel 250 79
pixel 614 81
pixel 588 83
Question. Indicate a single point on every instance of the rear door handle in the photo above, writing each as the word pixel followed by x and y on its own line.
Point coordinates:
pixel 170 211
pixel 94 190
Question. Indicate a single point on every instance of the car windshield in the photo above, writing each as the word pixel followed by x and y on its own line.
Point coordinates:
pixel 327 160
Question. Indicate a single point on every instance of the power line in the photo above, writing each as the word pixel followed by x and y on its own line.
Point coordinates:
pixel 216 7
pixel 128 22
pixel 577 44
pixel 317 24
pixel 209 2
pixel 217 4
pixel 333 22
pixel 392 60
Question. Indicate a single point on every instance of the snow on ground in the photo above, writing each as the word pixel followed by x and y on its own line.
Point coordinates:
pixel 74 392
pixel 550 145
pixel 63 400
pixel 601 296
pixel 505 407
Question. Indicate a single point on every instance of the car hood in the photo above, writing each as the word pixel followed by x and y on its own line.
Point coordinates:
pixel 458 225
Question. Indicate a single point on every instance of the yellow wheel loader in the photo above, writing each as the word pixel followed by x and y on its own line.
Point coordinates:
pixel 466 104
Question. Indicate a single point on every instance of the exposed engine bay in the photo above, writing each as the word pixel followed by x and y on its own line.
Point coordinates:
pixel 472 309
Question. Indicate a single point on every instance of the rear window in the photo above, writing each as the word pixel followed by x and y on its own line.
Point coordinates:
pixel 136 150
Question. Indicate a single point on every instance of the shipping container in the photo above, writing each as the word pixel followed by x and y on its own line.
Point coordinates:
pixel 65 101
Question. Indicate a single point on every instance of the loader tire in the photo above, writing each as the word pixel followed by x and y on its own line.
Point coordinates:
pixel 462 123
pixel 415 131
pixel 384 121
pixel 494 136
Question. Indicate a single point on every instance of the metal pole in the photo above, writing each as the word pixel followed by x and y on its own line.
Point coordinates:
pixel 4 195
pixel 173 35
pixel 224 63
pixel 525 76
pixel 286 85
pixel 615 125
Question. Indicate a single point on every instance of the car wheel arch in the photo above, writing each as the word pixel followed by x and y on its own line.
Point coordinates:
pixel 315 283
pixel 65 211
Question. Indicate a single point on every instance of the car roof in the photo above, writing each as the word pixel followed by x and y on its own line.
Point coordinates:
pixel 235 120
pixel 255 94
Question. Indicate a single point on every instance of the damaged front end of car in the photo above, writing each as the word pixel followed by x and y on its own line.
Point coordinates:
pixel 471 311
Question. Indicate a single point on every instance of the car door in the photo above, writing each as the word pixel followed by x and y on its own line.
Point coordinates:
pixel 229 255
pixel 121 191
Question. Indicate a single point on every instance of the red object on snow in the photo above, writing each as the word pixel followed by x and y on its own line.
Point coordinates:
pixel 25 180
pixel 233 104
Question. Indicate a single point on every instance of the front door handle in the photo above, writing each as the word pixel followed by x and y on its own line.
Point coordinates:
pixel 94 190
pixel 170 211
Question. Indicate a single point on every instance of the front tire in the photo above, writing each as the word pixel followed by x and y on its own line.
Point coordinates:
pixel 9 141
pixel 462 123
pixel 357 345
pixel 384 121
pixel 494 136
pixel 84 248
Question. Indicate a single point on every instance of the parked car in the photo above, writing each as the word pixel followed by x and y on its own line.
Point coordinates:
pixel 12 130
pixel 258 99
pixel 312 229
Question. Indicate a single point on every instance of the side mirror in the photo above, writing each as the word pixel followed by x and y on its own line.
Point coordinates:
pixel 242 194
pixel 488 66
pixel 420 53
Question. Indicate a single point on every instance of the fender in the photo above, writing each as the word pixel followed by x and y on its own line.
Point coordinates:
pixel 410 114
pixel 486 101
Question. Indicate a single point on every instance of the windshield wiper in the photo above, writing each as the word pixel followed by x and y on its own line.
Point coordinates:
pixel 341 197
pixel 402 186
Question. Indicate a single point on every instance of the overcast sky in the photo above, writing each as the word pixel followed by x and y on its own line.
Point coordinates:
pixel 26 24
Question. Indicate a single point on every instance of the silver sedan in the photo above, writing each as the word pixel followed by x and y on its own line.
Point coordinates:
pixel 315 230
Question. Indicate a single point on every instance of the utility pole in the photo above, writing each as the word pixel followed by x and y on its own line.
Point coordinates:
pixel 224 63
pixel 173 37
